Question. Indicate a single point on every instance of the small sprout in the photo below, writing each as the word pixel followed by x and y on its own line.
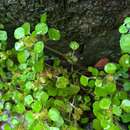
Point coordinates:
pixel 26 27
pixel 74 45
pixel 43 18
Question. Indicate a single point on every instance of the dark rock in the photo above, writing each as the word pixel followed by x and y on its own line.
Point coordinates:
pixel 90 22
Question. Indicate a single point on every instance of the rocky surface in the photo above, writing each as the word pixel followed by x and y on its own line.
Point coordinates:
pixel 93 23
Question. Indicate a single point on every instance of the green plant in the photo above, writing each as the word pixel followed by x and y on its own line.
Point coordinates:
pixel 35 95
pixel 111 89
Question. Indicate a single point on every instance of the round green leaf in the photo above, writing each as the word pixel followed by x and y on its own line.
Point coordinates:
pixel 125 43
pixel 28 100
pixel 38 47
pixel 123 29
pixel 84 80
pixel 3 35
pixel 54 114
pixel 125 105
pixel 125 61
pixel 29 117
pixel 19 33
pixel 116 110
pixel 29 85
pixel 127 20
pixel 74 45
pixel 110 68
pixel 42 96
pixel 98 83
pixel 54 34
pixel 105 103
pixel 19 108
pixel 4 117
pixel 7 127
pixel 36 106
pixel 19 45
pixel 41 28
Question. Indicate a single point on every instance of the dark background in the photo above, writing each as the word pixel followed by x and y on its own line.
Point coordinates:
pixel 93 23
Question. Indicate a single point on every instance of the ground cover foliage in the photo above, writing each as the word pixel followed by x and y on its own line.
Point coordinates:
pixel 39 94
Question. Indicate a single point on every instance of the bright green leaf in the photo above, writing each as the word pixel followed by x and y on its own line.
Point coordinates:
pixel 43 18
pixel 110 68
pixel 3 35
pixel 28 100
pixel 22 56
pixel 36 106
pixel 116 110
pixel 125 105
pixel 74 45
pixel 7 127
pixel 41 28
pixel 105 103
pixel 123 29
pixel 125 43
pixel 38 47
pixel 54 114
pixel 26 27
pixel 84 80
pixel 127 20
pixel 19 33
pixel 125 61
pixel 19 108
